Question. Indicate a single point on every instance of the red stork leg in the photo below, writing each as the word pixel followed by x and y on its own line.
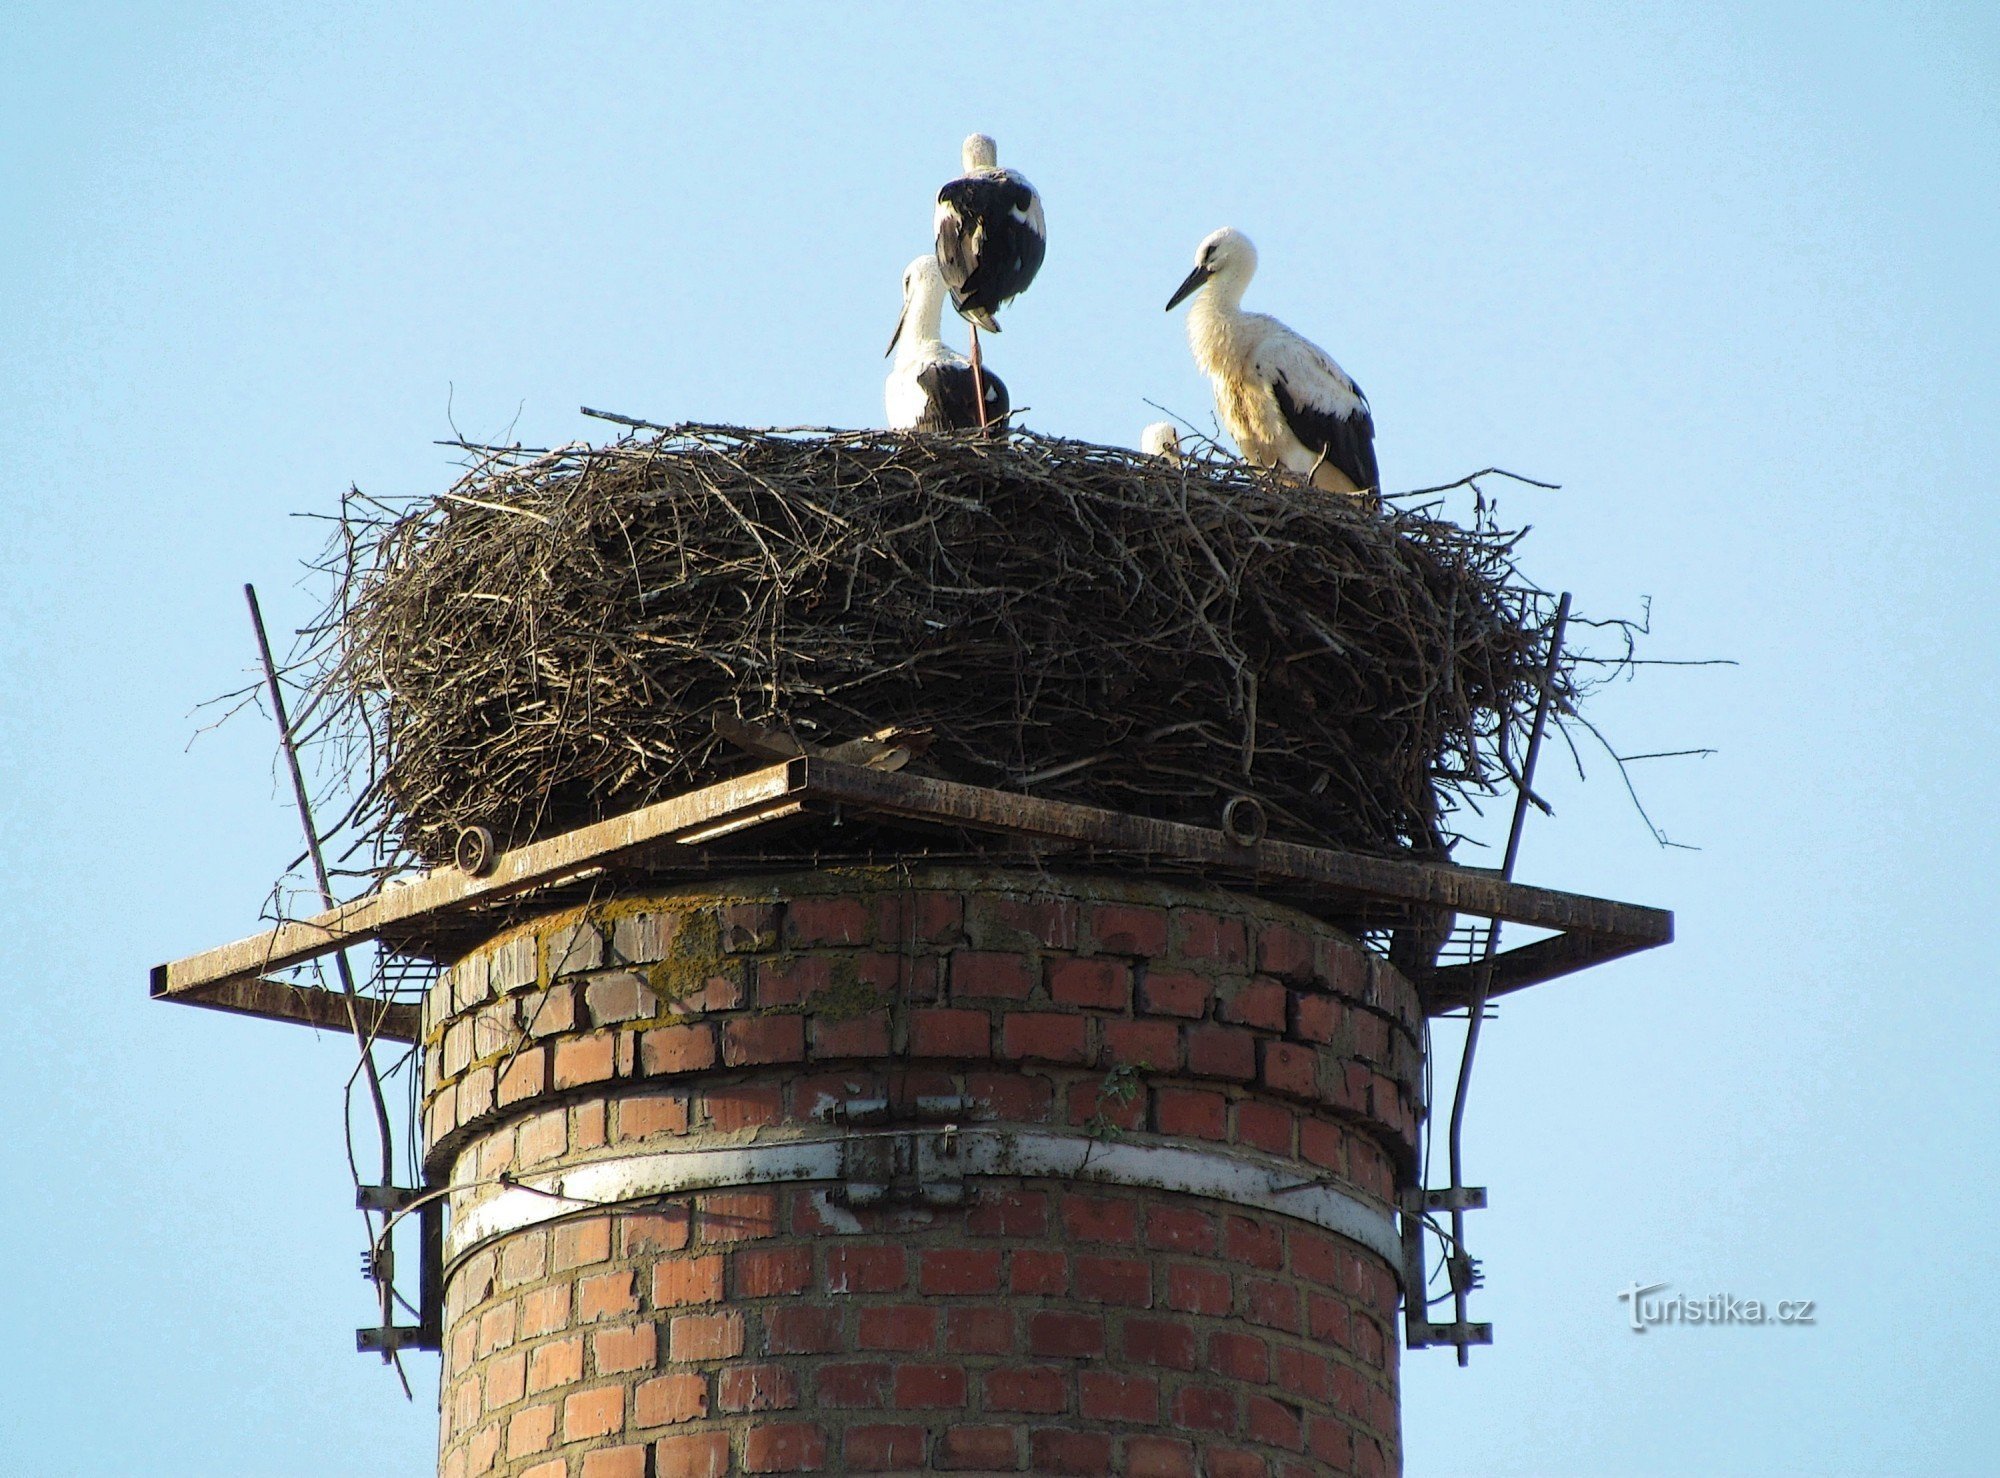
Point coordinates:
pixel 978 379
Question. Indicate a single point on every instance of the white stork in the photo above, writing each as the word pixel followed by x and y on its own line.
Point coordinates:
pixel 932 388
pixel 1283 398
pixel 1161 440
pixel 991 237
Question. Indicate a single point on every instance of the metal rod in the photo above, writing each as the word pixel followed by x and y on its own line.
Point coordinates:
pixel 1476 1008
pixel 304 801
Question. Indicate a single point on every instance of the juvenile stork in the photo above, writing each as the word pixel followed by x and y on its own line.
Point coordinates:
pixel 991 237
pixel 1161 440
pixel 932 388
pixel 1283 398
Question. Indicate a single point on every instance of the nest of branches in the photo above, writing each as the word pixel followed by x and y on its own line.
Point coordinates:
pixel 554 640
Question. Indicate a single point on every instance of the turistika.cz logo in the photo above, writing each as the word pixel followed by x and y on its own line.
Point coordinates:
pixel 1718 1308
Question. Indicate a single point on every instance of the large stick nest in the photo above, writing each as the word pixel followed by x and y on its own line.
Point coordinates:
pixel 549 642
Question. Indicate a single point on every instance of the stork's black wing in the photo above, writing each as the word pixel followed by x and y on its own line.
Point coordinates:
pixel 990 239
pixel 949 402
pixel 1345 437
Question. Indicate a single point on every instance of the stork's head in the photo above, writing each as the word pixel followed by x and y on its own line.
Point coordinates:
pixel 1224 256
pixel 923 302
pixel 980 152
pixel 1161 440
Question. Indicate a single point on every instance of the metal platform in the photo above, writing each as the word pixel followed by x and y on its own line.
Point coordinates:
pixel 719 829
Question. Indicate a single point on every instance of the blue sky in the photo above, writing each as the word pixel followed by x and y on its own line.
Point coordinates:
pixel 1727 273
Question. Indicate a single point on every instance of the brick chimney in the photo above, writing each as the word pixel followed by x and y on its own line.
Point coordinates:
pixel 867 1170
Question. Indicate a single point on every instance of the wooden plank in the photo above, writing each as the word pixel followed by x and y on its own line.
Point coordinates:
pixel 307 1005
pixel 1462 889
pixel 536 865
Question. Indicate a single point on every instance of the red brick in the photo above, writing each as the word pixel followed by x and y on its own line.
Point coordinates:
pixel 1087 1454
pixel 792 981
pixel 1032 1271
pixel 557 1363
pixel 555 1467
pixel 678 1281
pixel 619 1350
pixel 1195 1288
pixel 1234 1462
pixel 748 1041
pixel 977 974
pixel 976 1330
pixel 1210 936
pixel 943 1032
pixel 544 1310
pixel 1315 1018
pixel 1101 1104
pixel 948 1270
pixel 526 1076
pixel 1273 1304
pixel 1330 1441
pixel 615 1462
pixel 1253 1243
pixel 1127 929
pixel 1158 1457
pixel 770 1272
pixel 851 1384
pixel 1222 1052
pixel 998 921
pixel 757 1388
pixel 652 1113
pixel 736 1106
pixel 1241 1357
pixel 697 1455
pixel 977 1447
pixel 1152 1045
pixel 668 1399
pixel 1098 983
pixel 1322 1143
pixel 922 1387
pixel 1011 1095
pixel 1274 1423
pixel 1316 1256
pixel 784 1447
pixel 1188 1111
pixel 665 1230
pixel 1100 1219
pixel 506 1380
pixel 1180 1229
pixel 1327 1319
pixel 1009 1213
pixel 581 1060
pixel 839 920
pixel 881 1448
pixel 1174 993
pixel 1285 951
pixel 1167 1342
pixel 1102 1395
pixel 866 1035
pixel 1259 1001
pixel 1032 1388
pixel 678 1049
pixel 865 1269
pixel 736 1216
pixel 802 1331
pixel 1264 1126
pixel 593 1413
pixel 1290 1068
pixel 1048 1038
pixel 909 1328
pixel 605 1296
pixel 1060 1334
pixel 531 1429
pixel 1205 1409
pixel 1303 1373
pixel 496 1328
pixel 750 926
pixel 705 1336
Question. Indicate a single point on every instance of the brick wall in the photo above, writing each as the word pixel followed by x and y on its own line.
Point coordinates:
pixel 1044 1327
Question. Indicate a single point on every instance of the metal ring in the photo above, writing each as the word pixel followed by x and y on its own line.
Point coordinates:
pixel 1243 820
pixel 475 852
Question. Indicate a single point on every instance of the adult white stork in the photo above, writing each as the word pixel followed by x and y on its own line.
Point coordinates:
pixel 932 387
pixel 991 237
pixel 1161 440
pixel 1283 398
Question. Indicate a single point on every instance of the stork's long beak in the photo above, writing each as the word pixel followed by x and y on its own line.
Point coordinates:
pixel 1194 280
pixel 896 337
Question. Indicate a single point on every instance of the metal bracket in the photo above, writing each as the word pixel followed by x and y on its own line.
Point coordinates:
pixel 390 1198
pixel 1464 1198
pixel 1418 1332
pixel 908 1155
pixel 428 1334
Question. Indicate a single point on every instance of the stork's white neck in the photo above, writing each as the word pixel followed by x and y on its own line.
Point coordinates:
pixel 923 316
pixel 1216 324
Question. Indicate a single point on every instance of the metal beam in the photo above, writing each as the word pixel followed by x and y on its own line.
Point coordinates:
pixel 305 1005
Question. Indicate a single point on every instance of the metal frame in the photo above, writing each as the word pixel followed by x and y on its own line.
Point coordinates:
pixel 672 833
